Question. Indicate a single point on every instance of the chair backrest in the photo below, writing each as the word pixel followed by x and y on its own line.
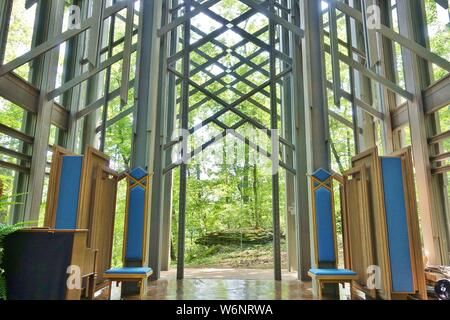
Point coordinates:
pixel 397 225
pixel 324 226
pixel 69 192
pixel 136 216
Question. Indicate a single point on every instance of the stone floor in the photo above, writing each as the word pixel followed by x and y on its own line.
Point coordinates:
pixel 228 284
pixel 225 289
pixel 230 274
pixel 225 284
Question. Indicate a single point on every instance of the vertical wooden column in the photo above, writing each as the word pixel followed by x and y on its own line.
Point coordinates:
pixel 361 89
pixel 157 154
pixel 387 69
pixel 5 14
pixel 298 123
pixel 43 118
pixel 378 61
pixel 147 148
pixel 412 25
pixel 94 84
pixel 316 113
pixel 317 123
pixel 21 181
pixel 148 62
pixel 286 115
pixel 73 104
pixel 147 123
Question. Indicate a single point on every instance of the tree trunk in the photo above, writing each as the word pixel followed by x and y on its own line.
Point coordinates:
pixel 173 255
pixel 337 156
pixel 246 182
pixel 255 195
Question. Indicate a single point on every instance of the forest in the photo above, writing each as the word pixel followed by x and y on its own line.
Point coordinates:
pixel 229 197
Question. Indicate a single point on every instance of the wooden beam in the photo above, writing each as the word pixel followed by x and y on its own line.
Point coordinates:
pixel 60 116
pixel 439 137
pixel 15 167
pixel 441 170
pixel 19 92
pixel 359 103
pixel 49 68
pixel 16 134
pixel 373 75
pixel 437 96
pixel 430 207
pixel 23 94
pixel 440 157
pixel 57 40
pixel 397 37
pixel 15 154
pixel 400 117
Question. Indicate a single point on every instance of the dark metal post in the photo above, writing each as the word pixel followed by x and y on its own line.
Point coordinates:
pixel 184 126
pixel 287 116
pixel 275 140
pixel 168 179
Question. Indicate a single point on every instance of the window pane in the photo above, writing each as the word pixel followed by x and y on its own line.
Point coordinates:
pixel 20 34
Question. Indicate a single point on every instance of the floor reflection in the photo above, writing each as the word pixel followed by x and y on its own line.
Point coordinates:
pixel 228 284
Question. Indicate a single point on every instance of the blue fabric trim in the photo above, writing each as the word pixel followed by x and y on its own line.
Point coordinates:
pixel 131 270
pixel 324 226
pixel 138 173
pixel 135 227
pixel 332 272
pixel 321 175
pixel 69 191
pixel 397 225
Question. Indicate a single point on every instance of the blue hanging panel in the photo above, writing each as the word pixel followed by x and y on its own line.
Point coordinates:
pixel 136 217
pixel 325 228
pixel 324 217
pixel 397 226
pixel 69 191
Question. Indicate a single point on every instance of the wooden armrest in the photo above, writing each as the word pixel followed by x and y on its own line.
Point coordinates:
pixel 89 261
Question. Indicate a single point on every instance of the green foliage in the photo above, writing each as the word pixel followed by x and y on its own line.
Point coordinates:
pixel 439 34
pixel 119 226
pixel 236 237
pixel 226 191
pixel 6 230
pixel 20 34
pixel 258 256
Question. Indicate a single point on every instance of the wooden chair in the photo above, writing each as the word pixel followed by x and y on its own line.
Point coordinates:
pixel 324 229
pixel 60 245
pixel 83 196
pixel 381 225
pixel 135 236
pixel 66 213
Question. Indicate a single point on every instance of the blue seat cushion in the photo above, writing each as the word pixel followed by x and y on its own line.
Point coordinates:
pixel 332 272
pixel 130 270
